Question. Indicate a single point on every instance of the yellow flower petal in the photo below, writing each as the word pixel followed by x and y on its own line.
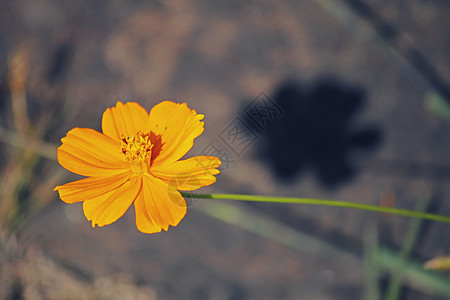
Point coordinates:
pixel 177 126
pixel 89 153
pixel 109 207
pixel 144 217
pixel 90 187
pixel 189 174
pixel 124 120
pixel 163 205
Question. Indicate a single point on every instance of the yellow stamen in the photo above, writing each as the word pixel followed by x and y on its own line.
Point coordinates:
pixel 136 148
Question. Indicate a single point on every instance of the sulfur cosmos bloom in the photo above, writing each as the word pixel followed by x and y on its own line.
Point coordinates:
pixel 136 160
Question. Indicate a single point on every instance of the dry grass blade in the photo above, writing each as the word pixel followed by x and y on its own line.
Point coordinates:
pixel 17 80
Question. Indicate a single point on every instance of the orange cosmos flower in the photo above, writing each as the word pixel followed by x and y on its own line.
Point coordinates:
pixel 136 160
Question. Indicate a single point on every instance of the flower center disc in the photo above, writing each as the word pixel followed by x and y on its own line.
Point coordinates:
pixel 137 150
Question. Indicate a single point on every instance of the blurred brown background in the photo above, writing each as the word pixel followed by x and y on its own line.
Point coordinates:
pixel 358 91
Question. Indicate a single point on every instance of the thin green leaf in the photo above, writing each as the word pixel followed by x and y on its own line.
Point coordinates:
pixel 371 269
pixel 394 287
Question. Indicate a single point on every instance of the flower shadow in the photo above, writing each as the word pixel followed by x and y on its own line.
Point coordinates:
pixel 318 132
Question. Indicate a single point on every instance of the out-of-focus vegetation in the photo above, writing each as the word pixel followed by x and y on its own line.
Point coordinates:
pixel 380 261
pixel 27 180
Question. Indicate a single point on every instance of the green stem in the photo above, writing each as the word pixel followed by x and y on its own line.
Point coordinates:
pixel 271 199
